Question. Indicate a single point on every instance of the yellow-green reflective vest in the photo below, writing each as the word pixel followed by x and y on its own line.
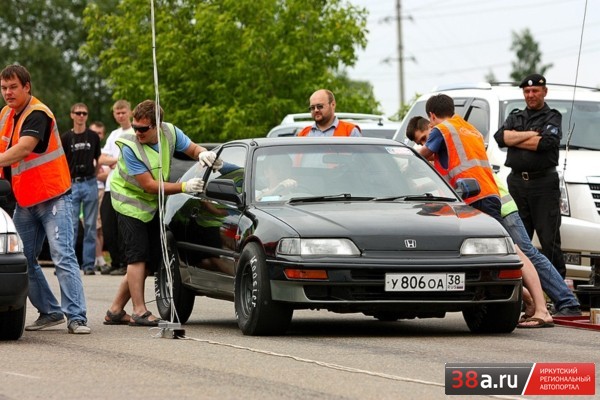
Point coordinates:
pixel 127 196
pixel 508 204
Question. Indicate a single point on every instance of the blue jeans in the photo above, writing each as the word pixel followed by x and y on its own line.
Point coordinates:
pixel 552 282
pixel 85 197
pixel 52 219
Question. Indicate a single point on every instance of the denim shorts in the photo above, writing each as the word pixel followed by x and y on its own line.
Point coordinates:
pixel 141 241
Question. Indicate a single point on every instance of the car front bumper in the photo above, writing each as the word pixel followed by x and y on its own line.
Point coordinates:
pixel 363 289
pixel 14 282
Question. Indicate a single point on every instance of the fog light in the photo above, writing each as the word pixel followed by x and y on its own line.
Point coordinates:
pixel 305 273
pixel 510 274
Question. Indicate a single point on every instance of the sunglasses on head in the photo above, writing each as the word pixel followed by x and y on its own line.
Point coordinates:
pixel 141 128
pixel 80 113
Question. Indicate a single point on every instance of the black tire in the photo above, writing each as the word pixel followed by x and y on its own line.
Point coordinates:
pixel 12 323
pixel 493 318
pixel 183 298
pixel 256 313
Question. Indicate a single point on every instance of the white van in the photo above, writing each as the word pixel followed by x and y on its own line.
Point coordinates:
pixel 486 106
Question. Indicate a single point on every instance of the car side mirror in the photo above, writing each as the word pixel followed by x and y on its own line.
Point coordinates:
pixel 467 187
pixel 223 189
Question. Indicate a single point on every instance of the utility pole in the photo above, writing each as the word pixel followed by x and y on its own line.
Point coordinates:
pixel 400 52
pixel 400 57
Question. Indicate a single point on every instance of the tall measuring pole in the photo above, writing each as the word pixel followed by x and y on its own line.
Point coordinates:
pixel 400 52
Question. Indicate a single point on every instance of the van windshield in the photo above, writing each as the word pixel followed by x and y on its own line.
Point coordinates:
pixel 583 116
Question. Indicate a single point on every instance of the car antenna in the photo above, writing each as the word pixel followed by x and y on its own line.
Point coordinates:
pixel 167 329
pixel 571 128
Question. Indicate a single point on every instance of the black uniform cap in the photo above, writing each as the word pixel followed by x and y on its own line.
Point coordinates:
pixel 533 80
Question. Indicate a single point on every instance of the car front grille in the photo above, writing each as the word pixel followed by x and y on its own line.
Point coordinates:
pixel 595 189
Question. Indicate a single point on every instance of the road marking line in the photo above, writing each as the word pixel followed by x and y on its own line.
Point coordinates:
pixel 334 366
pixel 21 375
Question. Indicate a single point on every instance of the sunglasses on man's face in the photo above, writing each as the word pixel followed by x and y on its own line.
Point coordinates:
pixel 141 128
pixel 316 107
pixel 80 113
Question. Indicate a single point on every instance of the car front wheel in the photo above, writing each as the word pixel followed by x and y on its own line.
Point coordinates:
pixel 257 314
pixel 12 323
pixel 493 318
pixel 182 299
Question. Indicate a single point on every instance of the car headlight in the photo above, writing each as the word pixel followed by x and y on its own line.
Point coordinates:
pixel 565 208
pixel 317 247
pixel 481 246
pixel 10 243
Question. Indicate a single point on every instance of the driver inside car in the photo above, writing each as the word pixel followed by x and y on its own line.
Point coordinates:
pixel 276 171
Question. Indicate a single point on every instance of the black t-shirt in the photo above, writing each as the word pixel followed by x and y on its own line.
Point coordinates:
pixel 81 150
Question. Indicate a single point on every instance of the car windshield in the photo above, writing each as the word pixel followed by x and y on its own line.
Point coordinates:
pixel 584 117
pixel 361 172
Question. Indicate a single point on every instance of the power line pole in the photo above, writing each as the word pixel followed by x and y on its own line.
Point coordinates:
pixel 400 52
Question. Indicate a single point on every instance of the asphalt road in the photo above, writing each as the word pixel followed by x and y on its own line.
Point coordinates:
pixel 324 356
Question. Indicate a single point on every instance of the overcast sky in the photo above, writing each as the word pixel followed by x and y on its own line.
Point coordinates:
pixel 457 41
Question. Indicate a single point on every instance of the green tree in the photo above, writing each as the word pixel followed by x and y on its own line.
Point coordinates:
pixel 491 77
pixel 228 68
pixel 528 54
pixel 45 36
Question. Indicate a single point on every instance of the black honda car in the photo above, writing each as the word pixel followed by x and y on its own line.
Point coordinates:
pixel 344 224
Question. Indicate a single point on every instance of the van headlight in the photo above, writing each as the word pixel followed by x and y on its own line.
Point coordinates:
pixel 10 243
pixel 565 208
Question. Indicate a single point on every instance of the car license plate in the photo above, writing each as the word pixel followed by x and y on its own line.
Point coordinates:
pixel 424 282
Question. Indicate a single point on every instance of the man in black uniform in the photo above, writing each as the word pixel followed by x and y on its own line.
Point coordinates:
pixel 532 137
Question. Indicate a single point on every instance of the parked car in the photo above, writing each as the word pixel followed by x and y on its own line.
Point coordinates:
pixel 14 282
pixel 371 125
pixel 368 226
pixel 486 106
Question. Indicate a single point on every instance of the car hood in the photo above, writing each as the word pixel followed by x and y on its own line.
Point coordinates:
pixel 583 166
pixel 387 225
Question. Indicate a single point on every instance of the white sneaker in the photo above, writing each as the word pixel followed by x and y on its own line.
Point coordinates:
pixel 79 327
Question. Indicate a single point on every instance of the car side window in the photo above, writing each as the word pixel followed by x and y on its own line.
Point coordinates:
pixel 479 116
pixel 234 161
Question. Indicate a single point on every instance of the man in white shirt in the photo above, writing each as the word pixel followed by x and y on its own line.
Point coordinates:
pixel 110 155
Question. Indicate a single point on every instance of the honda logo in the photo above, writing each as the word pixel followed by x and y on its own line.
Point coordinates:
pixel 410 243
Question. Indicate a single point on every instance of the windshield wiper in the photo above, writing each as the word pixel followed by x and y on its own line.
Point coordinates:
pixel 416 197
pixel 333 197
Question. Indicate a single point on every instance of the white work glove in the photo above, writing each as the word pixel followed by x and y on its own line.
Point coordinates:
pixel 194 185
pixel 288 184
pixel 209 159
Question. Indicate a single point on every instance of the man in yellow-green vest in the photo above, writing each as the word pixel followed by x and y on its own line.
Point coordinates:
pixel 142 171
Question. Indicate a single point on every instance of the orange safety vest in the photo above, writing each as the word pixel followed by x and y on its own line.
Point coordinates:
pixel 343 129
pixel 466 157
pixel 38 177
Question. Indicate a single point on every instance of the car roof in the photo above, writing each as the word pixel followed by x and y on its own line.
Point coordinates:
pixel 293 123
pixel 304 117
pixel 511 91
pixel 294 140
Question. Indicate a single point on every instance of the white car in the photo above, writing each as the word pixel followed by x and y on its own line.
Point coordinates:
pixel 486 106
pixel 371 125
